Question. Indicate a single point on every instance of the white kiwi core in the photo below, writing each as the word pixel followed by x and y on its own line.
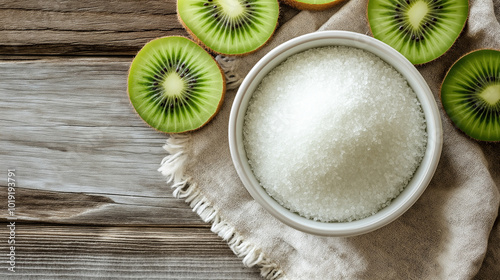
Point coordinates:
pixel 173 85
pixel 417 13
pixel 491 94
pixel 232 8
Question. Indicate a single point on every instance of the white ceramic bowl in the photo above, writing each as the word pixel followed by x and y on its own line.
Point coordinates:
pixel 412 191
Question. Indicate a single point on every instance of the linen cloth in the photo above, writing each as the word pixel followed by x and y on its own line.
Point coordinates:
pixel 450 233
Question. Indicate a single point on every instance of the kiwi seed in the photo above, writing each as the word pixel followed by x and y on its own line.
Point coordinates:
pixel 470 94
pixel 231 27
pixel 175 85
pixel 422 30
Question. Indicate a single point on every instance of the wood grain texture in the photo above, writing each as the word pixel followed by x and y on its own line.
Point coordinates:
pixel 84 27
pixel 84 252
pixel 89 201
pixel 81 153
pixel 86 167
pixel 89 27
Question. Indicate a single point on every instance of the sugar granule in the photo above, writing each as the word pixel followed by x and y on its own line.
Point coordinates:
pixel 334 133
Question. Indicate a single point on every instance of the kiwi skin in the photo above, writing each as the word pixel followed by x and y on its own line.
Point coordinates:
pixel 461 32
pixel 311 7
pixel 199 42
pixel 442 107
pixel 219 106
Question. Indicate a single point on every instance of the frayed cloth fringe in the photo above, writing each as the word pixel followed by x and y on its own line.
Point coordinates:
pixel 173 167
pixel 228 64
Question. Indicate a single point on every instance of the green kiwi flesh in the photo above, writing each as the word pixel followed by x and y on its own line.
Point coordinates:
pixel 470 94
pixel 232 27
pixel 175 85
pixel 421 30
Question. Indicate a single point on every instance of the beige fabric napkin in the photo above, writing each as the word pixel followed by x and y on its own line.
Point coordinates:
pixel 450 233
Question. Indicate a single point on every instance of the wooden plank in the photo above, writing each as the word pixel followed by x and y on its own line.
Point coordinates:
pixel 88 27
pixel 85 252
pixel 81 153
pixel 113 27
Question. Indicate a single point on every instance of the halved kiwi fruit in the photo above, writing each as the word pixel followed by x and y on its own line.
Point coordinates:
pixel 421 30
pixel 470 94
pixel 231 27
pixel 314 5
pixel 175 85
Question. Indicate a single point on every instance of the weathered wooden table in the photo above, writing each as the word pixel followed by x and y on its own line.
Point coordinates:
pixel 89 202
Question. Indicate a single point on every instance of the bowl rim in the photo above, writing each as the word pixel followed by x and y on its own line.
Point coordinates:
pixel 412 191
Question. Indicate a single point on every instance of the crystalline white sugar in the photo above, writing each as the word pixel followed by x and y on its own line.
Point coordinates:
pixel 334 133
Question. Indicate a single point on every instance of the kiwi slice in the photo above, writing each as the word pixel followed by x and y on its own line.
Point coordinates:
pixel 421 30
pixel 231 27
pixel 175 85
pixel 470 94
pixel 315 5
